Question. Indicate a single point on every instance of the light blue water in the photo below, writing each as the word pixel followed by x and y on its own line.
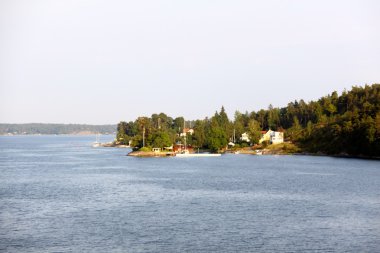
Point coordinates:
pixel 58 194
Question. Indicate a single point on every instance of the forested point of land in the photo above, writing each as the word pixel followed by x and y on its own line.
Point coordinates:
pixel 40 128
pixel 336 124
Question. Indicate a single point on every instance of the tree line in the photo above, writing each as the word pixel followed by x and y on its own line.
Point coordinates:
pixel 42 128
pixel 348 123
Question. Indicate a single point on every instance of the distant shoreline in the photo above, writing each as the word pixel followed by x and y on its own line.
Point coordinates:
pixel 55 129
pixel 75 134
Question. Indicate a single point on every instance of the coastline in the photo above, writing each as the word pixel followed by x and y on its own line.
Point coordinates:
pixel 144 154
pixel 150 154
pixel 112 145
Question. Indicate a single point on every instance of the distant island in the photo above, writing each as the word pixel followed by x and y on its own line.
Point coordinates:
pixel 347 124
pixel 41 128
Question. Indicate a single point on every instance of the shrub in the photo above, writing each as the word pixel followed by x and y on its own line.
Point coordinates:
pixel 145 149
pixel 244 144
pixel 265 144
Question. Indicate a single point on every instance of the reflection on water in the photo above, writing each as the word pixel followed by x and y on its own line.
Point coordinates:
pixel 59 194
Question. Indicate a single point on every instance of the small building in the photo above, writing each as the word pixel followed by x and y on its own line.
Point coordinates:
pixel 277 137
pixel 156 150
pixel 187 131
pixel 272 137
pixel 169 148
pixel 265 136
pixel 245 137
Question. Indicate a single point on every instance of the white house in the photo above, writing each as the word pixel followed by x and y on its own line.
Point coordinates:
pixel 245 137
pixel 276 137
pixel 186 131
pixel 156 150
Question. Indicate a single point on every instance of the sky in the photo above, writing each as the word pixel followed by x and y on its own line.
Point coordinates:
pixel 101 62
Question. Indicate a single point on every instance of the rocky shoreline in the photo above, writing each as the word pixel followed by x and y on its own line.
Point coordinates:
pixel 112 145
pixel 150 154
pixel 277 151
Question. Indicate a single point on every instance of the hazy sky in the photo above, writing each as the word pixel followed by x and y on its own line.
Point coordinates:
pixel 100 62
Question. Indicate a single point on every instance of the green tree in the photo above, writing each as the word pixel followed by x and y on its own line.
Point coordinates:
pixel 295 132
pixel 178 124
pixel 238 126
pixel 199 136
pixel 216 136
pixel 217 139
pixel 349 123
pixel 309 128
pixel 161 139
pixel 273 117
pixel 254 131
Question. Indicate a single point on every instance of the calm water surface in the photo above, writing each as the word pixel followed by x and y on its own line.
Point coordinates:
pixel 58 194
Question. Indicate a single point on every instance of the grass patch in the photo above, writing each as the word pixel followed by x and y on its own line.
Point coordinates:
pixel 284 148
pixel 145 149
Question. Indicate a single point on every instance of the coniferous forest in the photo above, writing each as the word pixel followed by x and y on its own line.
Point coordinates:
pixel 345 124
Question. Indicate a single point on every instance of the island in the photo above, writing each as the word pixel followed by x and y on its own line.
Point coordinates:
pixel 346 124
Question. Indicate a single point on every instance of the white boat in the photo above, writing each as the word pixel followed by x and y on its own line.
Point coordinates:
pixel 259 152
pixel 96 144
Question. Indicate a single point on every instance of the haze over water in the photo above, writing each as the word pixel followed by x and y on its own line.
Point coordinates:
pixel 58 194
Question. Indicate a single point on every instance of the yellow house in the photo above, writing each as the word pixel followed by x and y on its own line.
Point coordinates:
pixel 272 137
pixel 265 136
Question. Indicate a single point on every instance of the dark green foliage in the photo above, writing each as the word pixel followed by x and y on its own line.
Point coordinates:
pixel 145 149
pixel 178 123
pixel 349 125
pixel 345 124
pixel 125 132
pixel 161 139
pixel 254 131
pixel 217 135
pixel 161 131
pixel 199 138
pixel 217 139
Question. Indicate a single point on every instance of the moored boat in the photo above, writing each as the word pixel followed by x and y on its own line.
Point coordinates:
pixel 96 144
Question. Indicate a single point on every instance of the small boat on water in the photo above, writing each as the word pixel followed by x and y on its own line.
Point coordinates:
pixel 96 144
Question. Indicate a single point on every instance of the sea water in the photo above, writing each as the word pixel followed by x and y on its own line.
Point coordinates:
pixel 59 194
